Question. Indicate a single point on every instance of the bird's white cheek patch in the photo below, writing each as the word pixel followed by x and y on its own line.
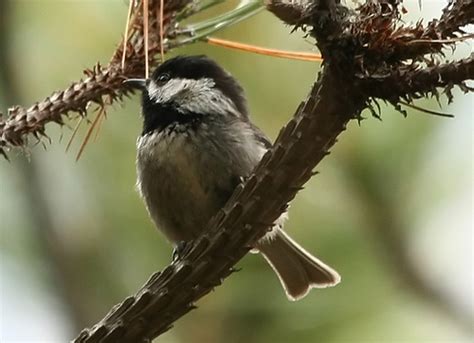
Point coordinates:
pixel 178 87
pixel 196 96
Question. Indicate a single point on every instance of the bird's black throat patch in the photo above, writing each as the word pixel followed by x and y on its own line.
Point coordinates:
pixel 158 117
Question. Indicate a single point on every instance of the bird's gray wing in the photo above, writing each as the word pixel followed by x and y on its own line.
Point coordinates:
pixel 260 136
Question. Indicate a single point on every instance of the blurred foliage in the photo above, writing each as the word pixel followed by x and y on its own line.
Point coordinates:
pixel 110 247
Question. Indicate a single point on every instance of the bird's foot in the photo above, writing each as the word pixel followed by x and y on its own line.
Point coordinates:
pixel 243 179
pixel 180 249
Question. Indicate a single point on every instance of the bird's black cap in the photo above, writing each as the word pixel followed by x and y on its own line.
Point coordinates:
pixel 198 67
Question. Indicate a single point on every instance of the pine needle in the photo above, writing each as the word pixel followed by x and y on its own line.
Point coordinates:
pixel 302 56
pixel 442 41
pixel 125 36
pixel 101 119
pixel 424 110
pixel 76 128
pixel 145 34
pixel 89 132
pixel 162 34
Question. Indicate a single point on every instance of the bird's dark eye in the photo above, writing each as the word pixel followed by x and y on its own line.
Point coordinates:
pixel 163 77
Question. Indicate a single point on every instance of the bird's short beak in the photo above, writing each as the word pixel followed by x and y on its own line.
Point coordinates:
pixel 136 83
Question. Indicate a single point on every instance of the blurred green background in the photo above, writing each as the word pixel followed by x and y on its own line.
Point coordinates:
pixel 391 209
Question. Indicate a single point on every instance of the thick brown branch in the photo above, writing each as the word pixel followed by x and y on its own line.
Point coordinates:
pixel 168 295
pixel 283 171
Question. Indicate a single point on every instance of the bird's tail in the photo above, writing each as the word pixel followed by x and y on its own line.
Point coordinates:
pixel 297 269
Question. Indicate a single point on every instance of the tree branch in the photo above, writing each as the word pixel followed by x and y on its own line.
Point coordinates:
pixel 102 85
pixel 246 217
pixel 456 15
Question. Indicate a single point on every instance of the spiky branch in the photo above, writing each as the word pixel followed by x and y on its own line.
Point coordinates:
pixel 101 85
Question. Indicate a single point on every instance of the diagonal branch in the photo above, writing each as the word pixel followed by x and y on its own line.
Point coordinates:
pixel 283 171
pixel 246 217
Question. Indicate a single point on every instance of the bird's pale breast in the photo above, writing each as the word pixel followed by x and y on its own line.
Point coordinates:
pixel 186 176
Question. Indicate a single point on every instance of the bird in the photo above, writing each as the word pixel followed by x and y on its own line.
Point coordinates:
pixel 197 144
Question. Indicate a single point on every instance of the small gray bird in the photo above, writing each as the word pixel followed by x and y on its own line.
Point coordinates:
pixel 196 146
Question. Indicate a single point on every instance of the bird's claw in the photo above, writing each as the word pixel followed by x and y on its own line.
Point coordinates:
pixel 180 250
